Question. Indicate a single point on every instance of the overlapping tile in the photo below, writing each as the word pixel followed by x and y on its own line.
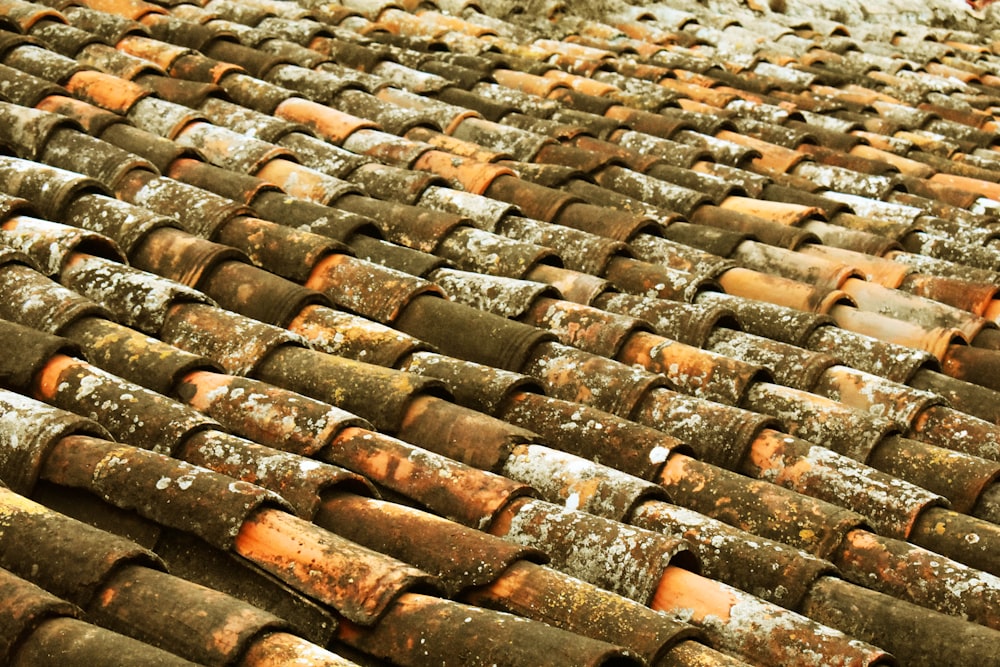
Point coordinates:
pixel 678 286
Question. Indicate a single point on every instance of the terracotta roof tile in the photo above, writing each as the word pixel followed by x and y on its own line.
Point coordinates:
pixel 904 264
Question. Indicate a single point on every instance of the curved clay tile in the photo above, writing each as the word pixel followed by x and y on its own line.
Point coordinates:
pixel 473 500
pixel 270 298
pixel 34 350
pixel 300 481
pixel 81 153
pixel 629 561
pixel 40 625
pixel 97 553
pixel 51 244
pixel 578 483
pixel 128 354
pixel 145 418
pixel 32 299
pixel 462 557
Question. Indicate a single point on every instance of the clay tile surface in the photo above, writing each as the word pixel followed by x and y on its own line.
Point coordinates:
pixel 466 334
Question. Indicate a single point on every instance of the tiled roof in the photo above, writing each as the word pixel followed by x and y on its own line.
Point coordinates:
pixel 488 333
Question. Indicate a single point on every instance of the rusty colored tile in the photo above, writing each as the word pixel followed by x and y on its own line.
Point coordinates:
pixel 894 361
pixel 473 499
pixel 946 586
pixel 468 333
pixel 257 62
pixel 853 433
pixel 174 493
pixel 819 271
pixel 771 156
pixel 771 570
pixel 236 343
pixel 475 250
pixel 904 165
pixel 459 555
pixel 26 131
pixel 34 351
pixel 961 431
pixel 135 10
pixel 283 419
pixel 322 155
pixel 972 364
pixel 387 148
pixel 445 115
pixel 629 561
pixel 98 159
pixel 301 181
pixel 461 434
pixel 279 648
pixel 300 481
pixel 38 542
pixel 599 436
pixel 891 505
pixel 106 91
pixel 781 291
pixel 93 119
pixel 326 122
pixel 939 342
pixel 691 370
pixel 139 415
pixel 68 636
pixel 454 634
pixel 972 185
pixel 50 244
pixel 815 526
pixel 773 636
pixel 584 327
pixel 30 430
pixel 877 269
pixel 592 611
pixel 652 190
pixel 200 623
pixel 575 375
pixel 123 222
pixel 408 225
pixel 967 539
pixel 482 388
pixel 347 335
pixel 381 395
pixel 228 149
pixel 579 484
pixel 901 403
pixel 575 286
pixel 374 291
pixel 786 213
pixel 654 281
pixel 466 173
pixel 287 252
pixel 162 54
pixel 179 256
pixel 129 354
pixel 241 188
pixel 688 323
pixel 790 365
pixel 579 250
